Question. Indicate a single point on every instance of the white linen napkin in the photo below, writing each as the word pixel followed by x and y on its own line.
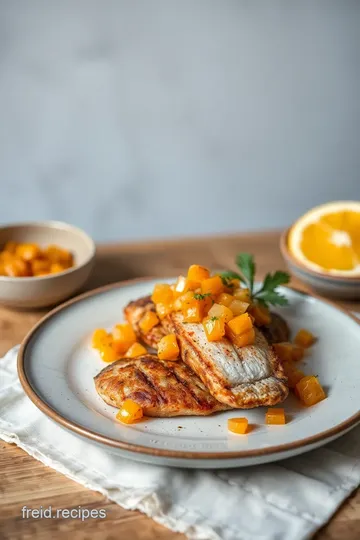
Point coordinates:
pixel 285 500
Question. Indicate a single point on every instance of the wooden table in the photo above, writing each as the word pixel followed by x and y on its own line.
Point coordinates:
pixel 23 480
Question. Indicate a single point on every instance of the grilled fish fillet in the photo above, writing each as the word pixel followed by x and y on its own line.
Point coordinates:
pixel 134 312
pixel 275 332
pixel 240 377
pixel 161 388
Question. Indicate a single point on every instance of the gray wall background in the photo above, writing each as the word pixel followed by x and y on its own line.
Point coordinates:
pixel 158 118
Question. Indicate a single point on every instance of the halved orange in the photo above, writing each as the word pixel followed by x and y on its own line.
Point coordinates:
pixel 327 238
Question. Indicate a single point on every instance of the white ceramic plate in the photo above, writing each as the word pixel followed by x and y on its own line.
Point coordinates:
pixel 57 365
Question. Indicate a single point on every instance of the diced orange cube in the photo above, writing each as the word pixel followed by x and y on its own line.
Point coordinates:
pixel 213 285
pixel 225 299
pixel 238 307
pixel 38 266
pixel 242 294
pixel 198 273
pixel 214 327
pixel 310 390
pixel 10 247
pixel 163 310
pixel 55 268
pixel 243 340
pixel 123 337
pixel 284 351
pixel 183 285
pixel 130 412
pixel 135 350
pixel 304 338
pixel 108 353
pixel 100 337
pixel 220 311
pixel 148 321
pixel 28 252
pixel 17 267
pixel 195 306
pixel 275 417
pixel 162 294
pixel 168 348
pixel 297 353
pixel 261 314
pixel 240 324
pixel 193 313
pixel 238 425
pixel 293 374
pixel 59 255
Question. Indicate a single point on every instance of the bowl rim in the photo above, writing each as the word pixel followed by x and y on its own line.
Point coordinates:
pixel 55 225
pixel 328 277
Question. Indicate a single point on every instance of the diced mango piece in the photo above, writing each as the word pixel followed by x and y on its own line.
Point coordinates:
pixel 297 353
pixel 168 348
pixel 163 310
pixel 55 268
pixel 310 390
pixel 135 350
pixel 130 412
pixel 238 425
pixel 198 273
pixel 242 294
pixel 108 353
pixel 248 338
pixel 214 327
pixel 195 306
pixel 17 267
pixel 293 374
pixel 123 337
pixel 183 285
pixel 240 324
pixel 100 337
pixel 275 417
pixel 284 351
pixel 10 247
pixel 28 252
pixel 38 266
pixel 223 312
pixel 193 313
pixel 225 299
pixel 213 285
pixel 148 321
pixel 261 314
pixel 238 307
pixel 162 294
pixel 59 255
pixel 304 338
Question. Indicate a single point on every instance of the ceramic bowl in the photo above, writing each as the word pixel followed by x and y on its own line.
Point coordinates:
pixel 48 290
pixel 324 284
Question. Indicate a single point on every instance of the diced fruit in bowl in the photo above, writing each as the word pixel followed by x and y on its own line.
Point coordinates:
pixel 130 412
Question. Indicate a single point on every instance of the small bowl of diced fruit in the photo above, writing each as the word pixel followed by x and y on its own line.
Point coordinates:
pixel 43 263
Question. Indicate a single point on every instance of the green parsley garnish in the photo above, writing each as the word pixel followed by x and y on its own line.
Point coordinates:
pixel 199 296
pixel 214 318
pixel 267 294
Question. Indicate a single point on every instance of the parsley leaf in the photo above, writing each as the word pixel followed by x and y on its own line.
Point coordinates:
pixel 199 296
pixel 246 263
pixel 228 276
pixel 214 318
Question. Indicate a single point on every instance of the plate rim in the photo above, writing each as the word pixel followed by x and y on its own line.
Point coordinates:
pixel 160 452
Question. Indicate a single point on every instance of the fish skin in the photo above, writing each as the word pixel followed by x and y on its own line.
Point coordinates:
pixel 162 388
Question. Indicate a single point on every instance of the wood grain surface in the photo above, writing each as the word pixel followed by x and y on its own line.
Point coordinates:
pixel 25 481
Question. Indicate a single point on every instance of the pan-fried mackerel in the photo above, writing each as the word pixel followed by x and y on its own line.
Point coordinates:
pixel 161 388
pixel 240 377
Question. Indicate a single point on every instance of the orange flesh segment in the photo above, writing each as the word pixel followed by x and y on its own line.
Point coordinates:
pixel 130 412
pixel 333 242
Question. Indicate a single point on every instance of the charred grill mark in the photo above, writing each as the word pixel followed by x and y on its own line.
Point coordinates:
pixel 188 389
pixel 156 389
